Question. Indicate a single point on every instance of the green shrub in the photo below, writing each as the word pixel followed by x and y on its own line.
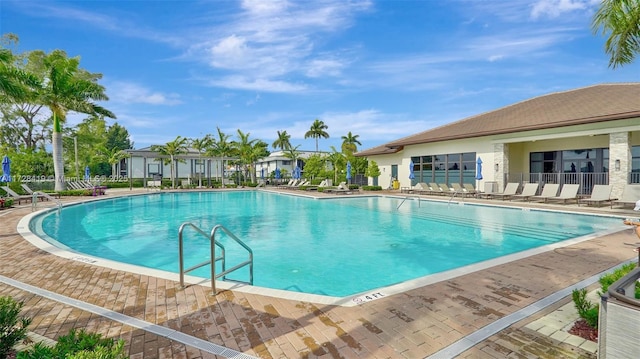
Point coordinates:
pixel 6 202
pixel 372 188
pixel 589 311
pixel 78 345
pixel 13 327
pixel 586 310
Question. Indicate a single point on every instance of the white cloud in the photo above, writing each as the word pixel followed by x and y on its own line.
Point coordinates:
pixel 128 93
pixel 257 84
pixel 324 67
pixel 556 8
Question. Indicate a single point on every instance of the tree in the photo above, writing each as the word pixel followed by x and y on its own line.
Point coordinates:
pixel 201 144
pixel 118 137
pixel 222 148
pixel 338 161
pixel 66 88
pixel 314 166
pixel 112 156
pixel 249 151
pixel 316 131
pixel 171 150
pixel 621 20
pixel 373 170
pixel 349 143
pixel 282 142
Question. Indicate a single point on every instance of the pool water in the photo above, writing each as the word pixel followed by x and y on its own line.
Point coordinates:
pixel 335 247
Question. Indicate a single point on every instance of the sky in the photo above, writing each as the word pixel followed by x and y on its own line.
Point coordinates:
pixel 381 70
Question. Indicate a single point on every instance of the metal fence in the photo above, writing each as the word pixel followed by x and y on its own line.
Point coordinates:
pixel 585 180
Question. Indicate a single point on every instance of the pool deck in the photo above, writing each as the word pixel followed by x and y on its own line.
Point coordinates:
pixel 518 309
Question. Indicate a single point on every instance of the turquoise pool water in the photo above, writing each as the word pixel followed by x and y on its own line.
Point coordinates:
pixel 336 247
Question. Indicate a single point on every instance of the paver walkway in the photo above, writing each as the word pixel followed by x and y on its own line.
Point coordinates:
pixel 414 324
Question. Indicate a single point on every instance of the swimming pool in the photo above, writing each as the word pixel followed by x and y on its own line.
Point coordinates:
pixel 334 247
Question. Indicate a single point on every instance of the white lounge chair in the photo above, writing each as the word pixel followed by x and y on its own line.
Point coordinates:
pixel 509 190
pixel 630 195
pixel 529 190
pixel 569 192
pixel 549 190
pixel 601 193
pixel 16 197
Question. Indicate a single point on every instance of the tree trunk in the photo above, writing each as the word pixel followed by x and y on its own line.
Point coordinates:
pixel 58 161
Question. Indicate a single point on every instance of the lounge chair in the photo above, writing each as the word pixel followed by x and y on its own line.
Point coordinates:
pixel 601 193
pixel 46 196
pixel 509 190
pixel 630 195
pixel 435 188
pixel 529 190
pixel 469 189
pixel 16 197
pixel 458 189
pixel 549 190
pixel 569 192
pixel 420 186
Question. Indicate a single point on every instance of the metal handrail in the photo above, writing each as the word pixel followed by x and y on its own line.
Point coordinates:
pixel 453 195
pixel 213 259
pixel 34 200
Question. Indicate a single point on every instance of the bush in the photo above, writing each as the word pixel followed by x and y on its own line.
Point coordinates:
pixel 6 202
pixel 589 311
pixel 13 327
pixel 77 345
pixel 372 188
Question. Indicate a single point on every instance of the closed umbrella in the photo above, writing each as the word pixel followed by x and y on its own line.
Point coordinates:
pixel 349 171
pixel 6 170
pixel 479 169
pixel 277 173
pixel 262 173
pixel 411 174
pixel 87 173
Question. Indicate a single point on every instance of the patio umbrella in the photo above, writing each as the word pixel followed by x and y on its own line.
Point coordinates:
pixel 296 172
pixel 411 174
pixel 349 171
pixel 262 173
pixel 277 173
pixel 87 173
pixel 479 169
pixel 6 169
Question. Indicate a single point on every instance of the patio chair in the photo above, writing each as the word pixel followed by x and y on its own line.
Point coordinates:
pixel 16 197
pixel 458 189
pixel 630 195
pixel 549 190
pixel 468 187
pixel 509 190
pixel 529 190
pixel 569 192
pixel 28 189
pixel 435 188
pixel 601 193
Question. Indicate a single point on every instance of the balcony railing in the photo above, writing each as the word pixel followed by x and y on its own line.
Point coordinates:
pixel 585 180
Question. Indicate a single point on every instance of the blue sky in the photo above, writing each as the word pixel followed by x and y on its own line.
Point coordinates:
pixel 380 69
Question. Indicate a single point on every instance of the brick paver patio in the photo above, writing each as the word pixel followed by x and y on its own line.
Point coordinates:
pixel 413 324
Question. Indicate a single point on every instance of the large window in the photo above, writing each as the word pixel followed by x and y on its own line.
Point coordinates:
pixel 445 168
pixel 570 161
pixel 635 165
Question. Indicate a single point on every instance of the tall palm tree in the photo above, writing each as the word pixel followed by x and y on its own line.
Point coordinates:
pixel 222 148
pixel 244 147
pixel 171 150
pixel 338 160
pixel 68 88
pixel 12 79
pixel 282 142
pixel 316 131
pixel 621 20
pixel 112 156
pixel 349 143
pixel 201 144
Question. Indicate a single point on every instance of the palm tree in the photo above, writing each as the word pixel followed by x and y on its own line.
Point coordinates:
pixel 316 131
pixel 621 20
pixel 349 143
pixel 293 154
pixel 338 160
pixel 282 142
pixel 201 144
pixel 171 150
pixel 11 78
pixel 221 147
pixel 68 88
pixel 244 147
pixel 112 156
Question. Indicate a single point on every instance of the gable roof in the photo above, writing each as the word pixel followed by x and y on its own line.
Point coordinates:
pixel 598 103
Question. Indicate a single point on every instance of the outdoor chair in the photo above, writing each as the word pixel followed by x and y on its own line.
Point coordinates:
pixel 630 195
pixel 569 192
pixel 509 190
pixel 469 189
pixel 529 190
pixel 28 189
pixel 601 193
pixel 549 190
pixel 16 197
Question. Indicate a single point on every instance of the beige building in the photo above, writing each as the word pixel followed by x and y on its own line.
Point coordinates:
pixel 588 136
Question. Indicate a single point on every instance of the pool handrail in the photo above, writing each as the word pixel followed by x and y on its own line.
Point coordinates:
pixel 212 261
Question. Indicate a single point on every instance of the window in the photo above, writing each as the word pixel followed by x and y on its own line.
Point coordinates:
pixel 445 168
